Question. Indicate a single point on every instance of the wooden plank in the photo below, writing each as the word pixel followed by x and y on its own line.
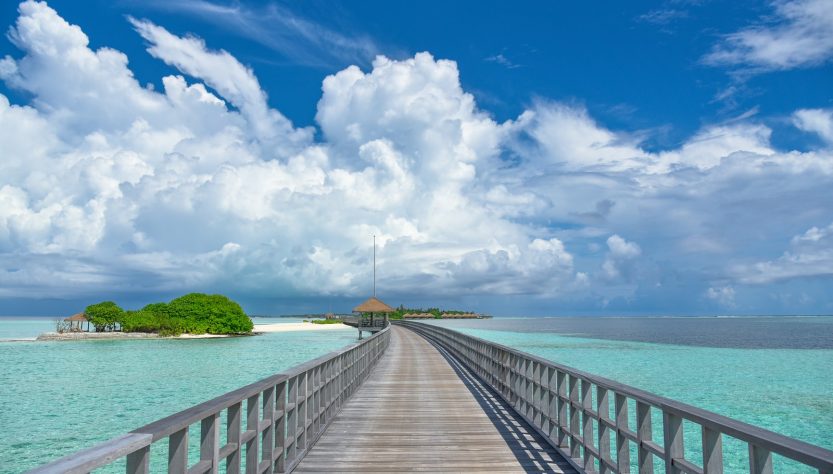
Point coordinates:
pixel 416 412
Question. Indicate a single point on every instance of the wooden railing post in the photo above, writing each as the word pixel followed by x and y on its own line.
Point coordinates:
pixel 603 412
pixel 552 413
pixel 291 418
pixel 563 440
pixel 575 423
pixel 537 409
pixel 672 427
pixel 623 452
pixel 138 462
pixel 712 452
pixel 760 460
pixel 267 440
pixel 644 433
pixel 233 438
pixel 252 445
pixel 280 428
pixel 178 452
pixel 587 422
pixel 210 442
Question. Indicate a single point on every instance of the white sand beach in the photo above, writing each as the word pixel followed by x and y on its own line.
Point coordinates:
pixel 286 327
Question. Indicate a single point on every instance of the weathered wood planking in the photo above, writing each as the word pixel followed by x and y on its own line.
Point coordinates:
pixel 419 412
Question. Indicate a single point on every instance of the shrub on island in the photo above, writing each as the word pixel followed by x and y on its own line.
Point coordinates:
pixel 194 313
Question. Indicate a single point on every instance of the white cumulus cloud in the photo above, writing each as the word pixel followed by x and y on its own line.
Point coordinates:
pixel 107 185
pixel 176 188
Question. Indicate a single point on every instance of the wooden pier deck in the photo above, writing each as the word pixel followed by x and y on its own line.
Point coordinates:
pixel 421 411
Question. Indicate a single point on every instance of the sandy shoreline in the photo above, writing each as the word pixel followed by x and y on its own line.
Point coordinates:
pixel 258 329
pixel 105 336
pixel 286 327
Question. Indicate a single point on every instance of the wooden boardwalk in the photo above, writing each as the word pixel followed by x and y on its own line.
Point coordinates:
pixel 421 411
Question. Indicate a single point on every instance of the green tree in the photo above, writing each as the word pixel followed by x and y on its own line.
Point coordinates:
pixel 104 316
pixel 199 313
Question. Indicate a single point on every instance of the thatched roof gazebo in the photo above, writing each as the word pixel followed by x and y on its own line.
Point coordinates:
pixel 373 305
pixel 76 322
pixel 370 307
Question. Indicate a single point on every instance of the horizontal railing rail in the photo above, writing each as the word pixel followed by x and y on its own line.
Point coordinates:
pixel 379 322
pixel 559 402
pixel 284 416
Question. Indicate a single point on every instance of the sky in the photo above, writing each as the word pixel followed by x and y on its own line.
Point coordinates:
pixel 514 158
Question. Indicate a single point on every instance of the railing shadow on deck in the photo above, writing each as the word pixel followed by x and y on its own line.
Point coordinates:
pixel 284 415
pixel 587 417
pixel 530 453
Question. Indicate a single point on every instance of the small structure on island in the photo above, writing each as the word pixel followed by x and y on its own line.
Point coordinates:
pixel 76 322
pixel 417 316
pixel 460 316
pixel 367 310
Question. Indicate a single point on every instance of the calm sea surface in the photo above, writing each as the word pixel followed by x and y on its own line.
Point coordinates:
pixel 774 372
pixel 57 397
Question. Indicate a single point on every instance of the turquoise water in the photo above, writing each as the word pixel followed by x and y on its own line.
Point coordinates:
pixel 24 328
pixel 789 391
pixel 58 397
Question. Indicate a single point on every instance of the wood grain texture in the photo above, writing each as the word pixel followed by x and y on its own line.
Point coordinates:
pixel 421 411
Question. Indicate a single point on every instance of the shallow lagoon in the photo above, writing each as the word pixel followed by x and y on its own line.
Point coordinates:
pixel 58 397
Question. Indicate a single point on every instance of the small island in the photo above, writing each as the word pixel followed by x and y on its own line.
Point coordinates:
pixel 194 314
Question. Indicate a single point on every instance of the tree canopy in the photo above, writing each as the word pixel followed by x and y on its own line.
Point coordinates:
pixel 104 316
pixel 194 313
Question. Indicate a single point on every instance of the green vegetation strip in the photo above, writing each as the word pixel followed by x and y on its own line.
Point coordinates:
pixel 194 313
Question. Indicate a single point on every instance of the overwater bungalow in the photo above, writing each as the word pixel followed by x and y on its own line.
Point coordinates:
pixel 417 316
pixel 460 316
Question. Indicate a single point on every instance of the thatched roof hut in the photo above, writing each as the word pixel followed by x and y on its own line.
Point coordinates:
pixel 373 305
pixel 418 316
pixel 76 322
pixel 78 317
pixel 459 316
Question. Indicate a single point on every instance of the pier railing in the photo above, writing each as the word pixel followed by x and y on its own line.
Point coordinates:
pixel 284 415
pixel 572 409
pixel 359 322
